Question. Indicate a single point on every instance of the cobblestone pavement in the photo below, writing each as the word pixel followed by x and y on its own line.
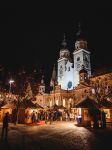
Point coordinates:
pixel 57 136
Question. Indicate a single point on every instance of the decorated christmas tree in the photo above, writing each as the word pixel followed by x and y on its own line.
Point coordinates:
pixel 28 92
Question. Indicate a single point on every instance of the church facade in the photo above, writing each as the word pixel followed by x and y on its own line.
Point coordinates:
pixel 74 81
pixel 68 72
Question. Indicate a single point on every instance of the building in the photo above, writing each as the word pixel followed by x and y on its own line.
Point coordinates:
pixel 68 72
pixel 73 85
pixel 73 80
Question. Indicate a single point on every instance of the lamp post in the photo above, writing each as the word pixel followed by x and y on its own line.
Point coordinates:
pixel 10 84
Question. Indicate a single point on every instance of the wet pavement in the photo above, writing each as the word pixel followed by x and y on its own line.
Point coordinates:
pixel 57 136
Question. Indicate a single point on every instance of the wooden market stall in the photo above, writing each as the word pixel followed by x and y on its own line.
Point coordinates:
pixel 7 108
pixel 106 106
pixel 26 108
pixel 82 110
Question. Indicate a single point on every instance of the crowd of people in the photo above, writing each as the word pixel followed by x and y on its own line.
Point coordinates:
pixel 49 116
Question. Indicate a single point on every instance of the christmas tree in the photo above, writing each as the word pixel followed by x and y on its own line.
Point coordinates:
pixel 28 92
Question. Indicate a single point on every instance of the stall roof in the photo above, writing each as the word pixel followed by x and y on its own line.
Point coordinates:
pixel 58 107
pixel 87 103
pixel 106 104
pixel 8 105
pixel 29 104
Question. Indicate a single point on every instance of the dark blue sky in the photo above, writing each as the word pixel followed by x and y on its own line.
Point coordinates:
pixel 32 36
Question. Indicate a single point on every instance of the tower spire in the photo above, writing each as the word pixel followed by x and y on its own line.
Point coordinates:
pixel 79 31
pixel 42 80
pixel 64 43
pixel 53 78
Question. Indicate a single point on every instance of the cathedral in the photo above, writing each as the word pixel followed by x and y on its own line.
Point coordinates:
pixel 74 88
pixel 68 72
pixel 73 81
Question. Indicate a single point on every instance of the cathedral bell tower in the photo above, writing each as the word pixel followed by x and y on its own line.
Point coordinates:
pixel 83 75
pixel 65 68
pixel 42 86
pixel 81 57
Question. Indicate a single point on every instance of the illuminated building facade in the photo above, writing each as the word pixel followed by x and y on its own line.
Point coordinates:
pixel 74 81
pixel 68 72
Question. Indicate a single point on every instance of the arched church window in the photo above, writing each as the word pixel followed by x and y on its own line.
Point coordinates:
pixel 64 102
pixel 68 68
pixel 65 62
pixel 78 58
pixel 57 102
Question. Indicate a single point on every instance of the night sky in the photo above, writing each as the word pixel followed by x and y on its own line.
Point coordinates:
pixel 32 36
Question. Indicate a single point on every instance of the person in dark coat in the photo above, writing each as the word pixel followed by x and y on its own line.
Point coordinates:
pixel 103 119
pixel 5 126
pixel 33 117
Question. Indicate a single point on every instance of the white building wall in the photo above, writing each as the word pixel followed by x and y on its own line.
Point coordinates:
pixel 67 74
pixel 79 60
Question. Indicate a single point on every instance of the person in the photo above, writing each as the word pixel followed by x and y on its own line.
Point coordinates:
pixel 36 117
pixel 79 119
pixel 5 126
pixel 33 117
pixel 46 117
pixel 103 119
pixel 50 117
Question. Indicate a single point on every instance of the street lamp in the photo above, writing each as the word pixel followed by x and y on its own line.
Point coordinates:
pixel 10 83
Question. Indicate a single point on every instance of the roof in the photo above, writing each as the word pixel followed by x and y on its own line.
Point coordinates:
pixel 82 71
pixel 29 104
pixel 61 107
pixel 38 106
pixel 87 103
pixel 106 104
pixel 58 107
pixel 54 106
pixel 80 86
pixel 9 105
pixel 101 71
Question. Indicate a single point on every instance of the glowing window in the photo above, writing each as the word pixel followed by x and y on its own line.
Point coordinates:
pixel 57 102
pixel 64 102
pixel 50 103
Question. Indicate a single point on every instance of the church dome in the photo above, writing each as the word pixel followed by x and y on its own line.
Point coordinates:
pixel 64 52
pixel 80 44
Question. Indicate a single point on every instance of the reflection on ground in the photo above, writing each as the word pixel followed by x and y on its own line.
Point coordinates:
pixel 58 135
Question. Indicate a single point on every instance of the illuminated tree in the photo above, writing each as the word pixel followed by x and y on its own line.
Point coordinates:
pixel 28 92
pixel 102 91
